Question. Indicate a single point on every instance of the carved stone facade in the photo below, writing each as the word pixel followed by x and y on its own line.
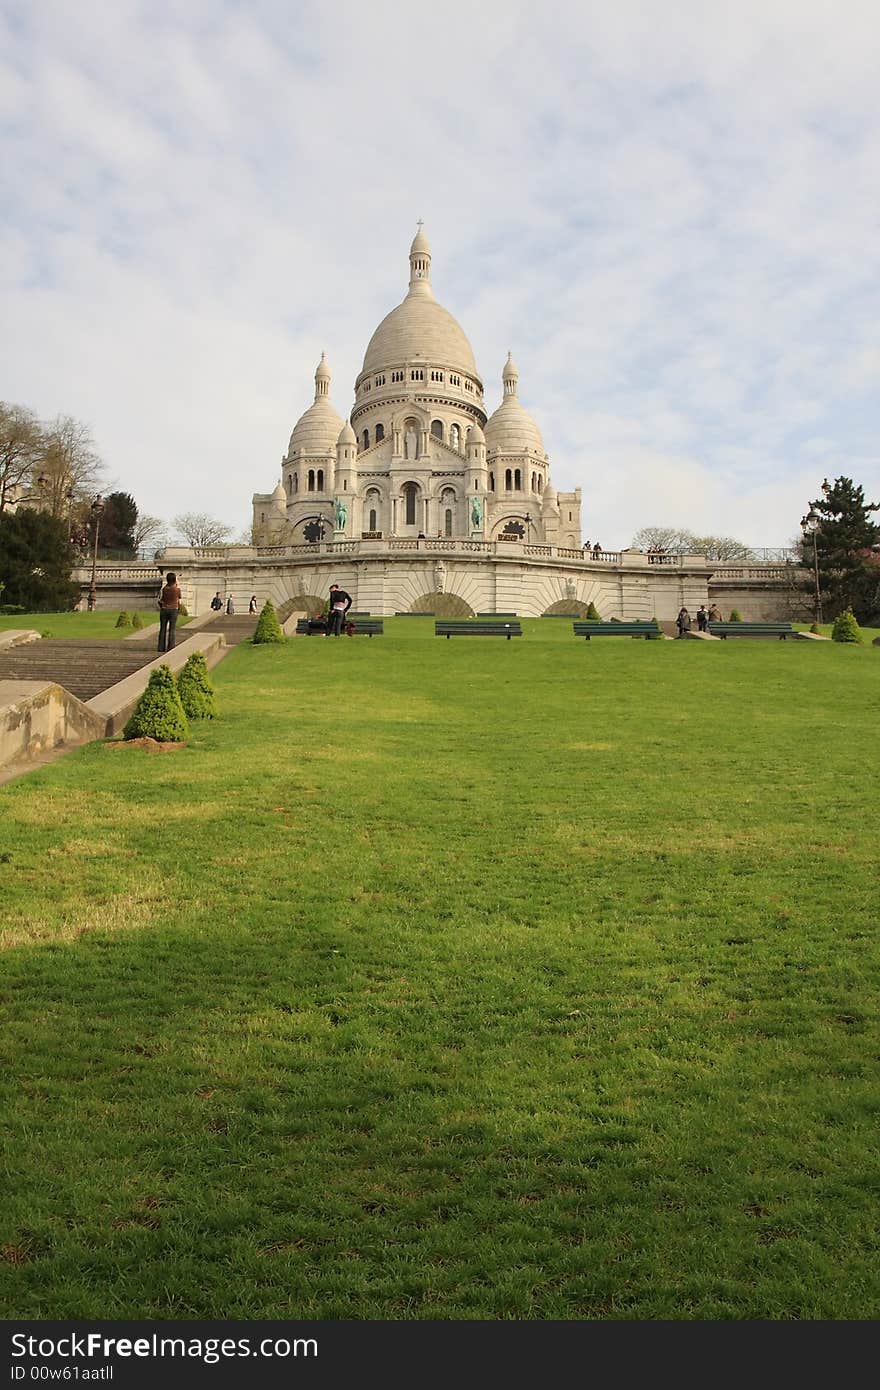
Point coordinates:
pixel 419 457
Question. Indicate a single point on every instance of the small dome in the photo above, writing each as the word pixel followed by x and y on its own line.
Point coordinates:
pixel 511 429
pixel 317 431
pixel 476 434
pixel 279 495
pixel 347 434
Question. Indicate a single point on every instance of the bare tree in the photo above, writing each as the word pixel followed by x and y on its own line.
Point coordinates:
pixel 69 466
pixel 721 548
pixel 675 538
pixel 21 443
pixel 669 538
pixel 199 529
pixel 149 531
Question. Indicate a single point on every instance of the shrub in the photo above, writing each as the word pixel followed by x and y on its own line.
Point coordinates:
pixel 735 616
pixel 196 690
pixel 814 627
pixel 158 713
pixel 12 608
pixel 268 626
pixel 845 628
pixel 593 615
pixel 183 611
pixel 124 619
pixel 137 621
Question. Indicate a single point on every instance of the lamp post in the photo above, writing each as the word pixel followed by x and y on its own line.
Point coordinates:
pixel 69 497
pixel 809 527
pixel 96 510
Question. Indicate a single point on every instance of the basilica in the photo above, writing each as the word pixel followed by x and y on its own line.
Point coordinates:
pixel 418 457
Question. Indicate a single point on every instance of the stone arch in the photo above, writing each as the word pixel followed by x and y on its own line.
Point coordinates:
pixel 573 607
pixel 442 605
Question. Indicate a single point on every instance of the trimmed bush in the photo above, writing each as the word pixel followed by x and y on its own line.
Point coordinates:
pixel 195 689
pixel 137 621
pixel 268 626
pixel 814 627
pixel 183 611
pixel 124 619
pixel 735 616
pixel 158 713
pixel 593 615
pixel 845 628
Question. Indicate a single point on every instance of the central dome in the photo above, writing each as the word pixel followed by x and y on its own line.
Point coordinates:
pixel 420 329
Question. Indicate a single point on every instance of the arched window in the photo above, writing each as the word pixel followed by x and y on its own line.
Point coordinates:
pixel 311 480
pixel 447 521
pixel 454 437
pixel 540 483
pixel 320 480
pixel 517 480
pixel 366 439
pixel 437 429
pixel 372 523
pixel 491 482
pixel 410 493
pixel 508 480
pixel 289 484
pixel 534 482
pixel 380 433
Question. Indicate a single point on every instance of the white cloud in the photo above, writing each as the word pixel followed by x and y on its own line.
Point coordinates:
pixel 668 213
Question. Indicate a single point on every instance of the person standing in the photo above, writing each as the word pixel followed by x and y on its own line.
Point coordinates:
pixel 252 606
pixel 714 615
pixel 340 602
pixel 230 607
pixel 702 619
pixel 683 622
pixel 217 602
pixel 169 607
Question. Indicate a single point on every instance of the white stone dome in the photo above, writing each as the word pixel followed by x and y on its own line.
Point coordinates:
pixel 420 329
pixel 511 429
pixel 317 431
pixel 347 435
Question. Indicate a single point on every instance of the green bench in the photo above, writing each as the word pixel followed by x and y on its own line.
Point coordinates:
pixel 476 627
pixel 369 627
pixel 724 630
pixel 635 629
pixel 496 615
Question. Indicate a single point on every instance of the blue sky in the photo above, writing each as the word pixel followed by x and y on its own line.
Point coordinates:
pixel 668 212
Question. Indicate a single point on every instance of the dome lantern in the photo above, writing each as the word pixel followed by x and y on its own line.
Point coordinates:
pixel 420 262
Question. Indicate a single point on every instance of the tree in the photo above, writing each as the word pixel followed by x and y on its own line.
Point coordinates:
pixel 69 466
pixel 158 713
pixel 668 538
pixel 847 546
pixel 198 529
pixel 35 561
pixel 21 446
pixel 148 531
pixel 721 548
pixel 196 689
pixel 268 627
pixel 845 628
pixel 118 523
pixel 674 539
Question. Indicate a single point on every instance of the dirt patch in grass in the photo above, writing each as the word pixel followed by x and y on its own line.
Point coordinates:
pixel 152 745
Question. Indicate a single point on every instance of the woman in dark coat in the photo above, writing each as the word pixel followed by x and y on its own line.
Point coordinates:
pixel 683 622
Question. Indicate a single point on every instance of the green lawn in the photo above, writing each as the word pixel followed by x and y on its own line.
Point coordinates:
pixel 454 979
pixel 85 625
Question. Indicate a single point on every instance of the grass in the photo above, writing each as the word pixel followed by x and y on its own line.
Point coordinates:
pixel 85 625
pixel 454 979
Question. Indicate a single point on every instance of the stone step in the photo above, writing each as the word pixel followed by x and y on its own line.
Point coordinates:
pixel 85 668
pixel 235 629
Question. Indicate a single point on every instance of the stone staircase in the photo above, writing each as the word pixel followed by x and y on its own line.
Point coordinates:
pixel 235 629
pixel 85 668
